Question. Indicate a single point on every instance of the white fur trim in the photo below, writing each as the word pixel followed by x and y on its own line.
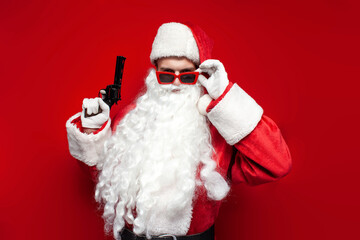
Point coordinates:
pixel 216 186
pixel 203 103
pixel 178 224
pixel 174 39
pixel 86 147
pixel 236 115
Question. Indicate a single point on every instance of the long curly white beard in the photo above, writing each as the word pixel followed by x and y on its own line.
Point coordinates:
pixel 149 172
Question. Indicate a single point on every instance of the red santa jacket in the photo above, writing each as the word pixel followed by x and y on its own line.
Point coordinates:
pixel 249 148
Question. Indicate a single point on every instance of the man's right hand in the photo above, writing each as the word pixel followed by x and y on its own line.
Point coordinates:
pixel 91 106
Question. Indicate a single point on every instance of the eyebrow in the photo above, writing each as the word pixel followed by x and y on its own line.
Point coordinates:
pixel 181 71
pixel 187 70
pixel 166 70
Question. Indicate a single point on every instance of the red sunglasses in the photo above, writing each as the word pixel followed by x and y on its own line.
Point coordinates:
pixel 189 78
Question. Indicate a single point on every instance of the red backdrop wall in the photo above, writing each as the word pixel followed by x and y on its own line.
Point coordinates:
pixel 298 59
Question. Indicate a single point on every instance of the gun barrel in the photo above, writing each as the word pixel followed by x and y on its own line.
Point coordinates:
pixel 119 68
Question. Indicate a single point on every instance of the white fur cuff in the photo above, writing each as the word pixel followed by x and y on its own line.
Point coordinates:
pixel 203 103
pixel 86 147
pixel 236 115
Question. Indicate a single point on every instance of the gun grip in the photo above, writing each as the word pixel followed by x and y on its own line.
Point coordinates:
pixel 91 115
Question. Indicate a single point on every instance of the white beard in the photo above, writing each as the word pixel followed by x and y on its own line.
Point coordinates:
pixel 149 173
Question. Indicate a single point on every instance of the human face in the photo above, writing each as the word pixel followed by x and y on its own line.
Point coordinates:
pixel 175 65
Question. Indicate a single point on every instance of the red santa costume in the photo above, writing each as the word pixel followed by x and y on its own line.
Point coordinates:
pixel 167 161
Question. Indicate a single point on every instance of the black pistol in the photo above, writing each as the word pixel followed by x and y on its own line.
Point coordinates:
pixel 112 92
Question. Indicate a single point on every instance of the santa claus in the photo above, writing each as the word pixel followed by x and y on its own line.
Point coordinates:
pixel 167 161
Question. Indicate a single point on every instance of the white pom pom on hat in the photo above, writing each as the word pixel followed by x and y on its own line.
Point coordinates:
pixel 181 40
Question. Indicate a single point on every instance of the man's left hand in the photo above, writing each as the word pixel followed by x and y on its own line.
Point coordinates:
pixel 218 80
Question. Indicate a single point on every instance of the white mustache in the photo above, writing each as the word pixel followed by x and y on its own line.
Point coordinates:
pixel 173 87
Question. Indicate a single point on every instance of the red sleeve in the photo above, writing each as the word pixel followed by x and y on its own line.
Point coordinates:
pixel 262 156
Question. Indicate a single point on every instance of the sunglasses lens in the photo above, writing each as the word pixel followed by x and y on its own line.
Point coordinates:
pixel 166 78
pixel 188 78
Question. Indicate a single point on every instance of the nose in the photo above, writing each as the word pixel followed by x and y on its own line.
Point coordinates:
pixel 177 82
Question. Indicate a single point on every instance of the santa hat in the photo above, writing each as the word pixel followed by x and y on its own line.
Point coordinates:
pixel 181 40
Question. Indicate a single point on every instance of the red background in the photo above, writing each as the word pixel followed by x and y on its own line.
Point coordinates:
pixel 298 59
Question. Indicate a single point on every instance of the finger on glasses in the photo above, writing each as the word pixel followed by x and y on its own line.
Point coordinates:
pixel 212 64
pixel 209 70
pixel 203 73
pixel 203 80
